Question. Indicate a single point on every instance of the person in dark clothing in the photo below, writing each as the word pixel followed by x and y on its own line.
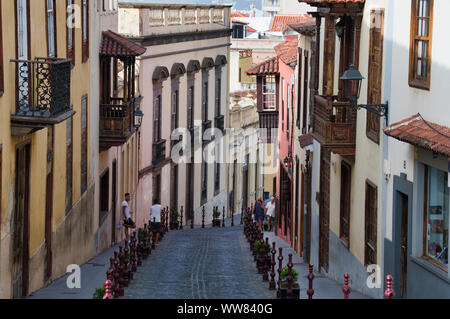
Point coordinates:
pixel 258 212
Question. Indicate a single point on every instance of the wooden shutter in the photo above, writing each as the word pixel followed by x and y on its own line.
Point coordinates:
pixel 370 255
pixel 328 58
pixel 70 34
pixel 84 143
pixel 375 72
pixel 305 92
pixel 85 30
pixel 345 203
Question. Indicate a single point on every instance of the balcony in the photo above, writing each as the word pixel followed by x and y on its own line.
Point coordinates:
pixel 116 122
pixel 268 120
pixel 42 94
pixel 159 152
pixel 220 122
pixel 334 125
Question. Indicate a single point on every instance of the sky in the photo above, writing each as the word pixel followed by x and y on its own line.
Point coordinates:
pixel 237 4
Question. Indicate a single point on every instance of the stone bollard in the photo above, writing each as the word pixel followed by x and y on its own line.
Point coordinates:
pixel 203 217
pixel 181 218
pixel 280 269
pixel 346 288
pixel 310 290
pixel 389 293
pixel 272 283
pixel 290 278
pixel 223 216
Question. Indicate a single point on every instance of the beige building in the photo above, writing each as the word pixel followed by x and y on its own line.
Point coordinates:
pixel 184 80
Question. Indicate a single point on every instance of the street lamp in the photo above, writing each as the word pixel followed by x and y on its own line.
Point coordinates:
pixel 352 79
pixel 138 115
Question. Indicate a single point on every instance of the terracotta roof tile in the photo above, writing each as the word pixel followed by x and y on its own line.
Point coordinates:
pixel 114 44
pixel 238 14
pixel 269 66
pixel 287 51
pixel 281 22
pixel 318 2
pixel 416 131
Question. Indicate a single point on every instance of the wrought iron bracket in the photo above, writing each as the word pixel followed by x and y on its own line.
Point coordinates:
pixel 380 110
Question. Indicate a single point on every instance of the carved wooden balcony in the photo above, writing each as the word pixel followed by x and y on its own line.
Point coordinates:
pixel 42 94
pixel 116 122
pixel 268 120
pixel 159 152
pixel 334 125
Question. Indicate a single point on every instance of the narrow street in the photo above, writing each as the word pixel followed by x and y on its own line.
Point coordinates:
pixel 208 263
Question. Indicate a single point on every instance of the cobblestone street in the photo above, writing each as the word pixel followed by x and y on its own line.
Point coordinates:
pixel 205 263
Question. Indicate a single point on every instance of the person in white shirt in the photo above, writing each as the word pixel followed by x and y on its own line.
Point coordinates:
pixel 126 215
pixel 270 212
pixel 155 219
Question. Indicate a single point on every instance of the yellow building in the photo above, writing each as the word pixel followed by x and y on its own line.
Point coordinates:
pixel 47 190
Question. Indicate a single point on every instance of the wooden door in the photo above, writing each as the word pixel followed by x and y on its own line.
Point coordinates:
pixel 404 246
pixel 302 213
pixel 113 203
pixel 189 211
pixel 21 223
pixel 324 212
pixel 308 187
pixel 49 205
pixel 245 186
pixel 296 208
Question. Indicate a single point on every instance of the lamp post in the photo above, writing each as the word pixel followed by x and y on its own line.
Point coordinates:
pixel 138 115
pixel 352 80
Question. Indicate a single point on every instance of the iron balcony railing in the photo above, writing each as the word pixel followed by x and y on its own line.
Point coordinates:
pixel 42 87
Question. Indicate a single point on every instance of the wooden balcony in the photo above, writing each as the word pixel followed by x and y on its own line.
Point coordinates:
pixel 42 94
pixel 268 120
pixel 159 152
pixel 116 122
pixel 334 125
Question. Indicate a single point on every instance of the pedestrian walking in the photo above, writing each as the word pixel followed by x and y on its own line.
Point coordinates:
pixel 258 212
pixel 126 216
pixel 270 212
pixel 155 218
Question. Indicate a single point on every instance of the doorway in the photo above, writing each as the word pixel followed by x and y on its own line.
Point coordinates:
pixel 113 202
pixel 20 250
pixel 324 211
pixel 404 244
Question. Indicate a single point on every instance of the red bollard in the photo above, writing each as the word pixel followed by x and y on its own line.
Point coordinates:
pixel 203 217
pixel 289 278
pixel 389 293
pixel 272 283
pixel 310 291
pixel 280 269
pixel 346 288
pixel 108 285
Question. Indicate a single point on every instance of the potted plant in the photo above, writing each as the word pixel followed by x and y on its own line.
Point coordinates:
pixel 284 284
pixel 99 293
pixel 216 218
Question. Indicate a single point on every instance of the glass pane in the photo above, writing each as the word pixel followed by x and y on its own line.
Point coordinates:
pixel 437 215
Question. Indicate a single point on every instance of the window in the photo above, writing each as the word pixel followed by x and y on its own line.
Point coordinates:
pixel 436 217
pixel 282 104
pixel 191 101
pixel 299 86
pixel 205 97
pixel 70 31
pixel 269 92
pixel 2 81
pixel 51 28
pixel 157 117
pixel 175 107
pixel 305 92
pixel 344 232
pixel 84 144
pixel 69 163
pixel 85 30
pixel 157 187
pixel 420 46
pixel 375 72
pixel 218 103
pixel 288 109
pixel 370 253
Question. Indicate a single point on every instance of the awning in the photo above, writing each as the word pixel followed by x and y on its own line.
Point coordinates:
pixel 419 132
pixel 114 44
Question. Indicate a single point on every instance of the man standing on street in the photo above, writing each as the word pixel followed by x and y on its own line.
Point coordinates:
pixel 270 212
pixel 126 216
pixel 155 218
